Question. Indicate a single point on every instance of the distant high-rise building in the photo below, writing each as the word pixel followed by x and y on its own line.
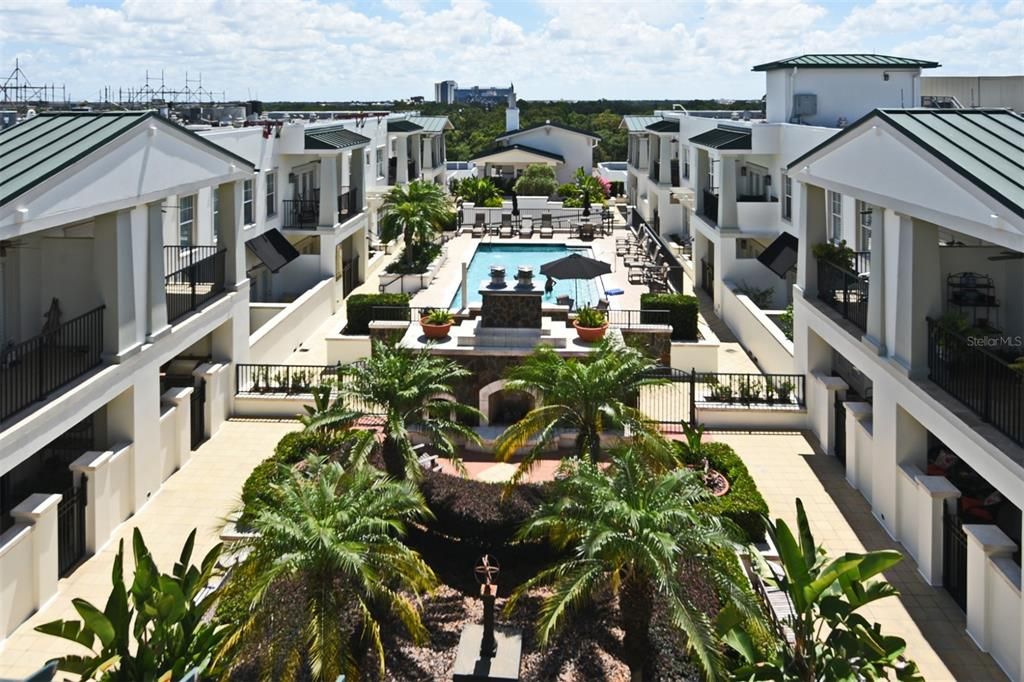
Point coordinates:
pixel 444 92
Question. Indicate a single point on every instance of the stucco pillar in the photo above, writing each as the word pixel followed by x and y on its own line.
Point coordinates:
pixel 812 230
pixel 39 511
pixel 181 398
pixel 402 174
pixel 856 412
pixel 426 158
pixel 932 493
pixel 115 274
pixel 328 191
pixel 218 382
pixel 232 234
pixel 645 150
pixel 919 293
pixel 824 389
pixel 92 470
pixel 727 192
pixel 875 334
pixel 664 160
pixel 984 542
pixel 155 282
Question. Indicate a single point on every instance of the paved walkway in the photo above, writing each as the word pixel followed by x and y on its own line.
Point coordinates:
pixel 787 466
pixel 198 496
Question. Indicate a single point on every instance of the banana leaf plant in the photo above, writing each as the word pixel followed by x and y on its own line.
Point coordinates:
pixel 151 630
pixel 824 638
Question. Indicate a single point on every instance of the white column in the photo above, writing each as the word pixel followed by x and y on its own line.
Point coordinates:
pixel 328 191
pixel 232 234
pixel 984 542
pixel 856 412
pixel 811 231
pixel 919 292
pixel 115 273
pixel 39 511
pixel 875 334
pixel 156 309
pixel 933 491
pixel 825 387
pixel 426 162
pixel 727 192
pixel 92 470
pixel 402 175
pixel 664 160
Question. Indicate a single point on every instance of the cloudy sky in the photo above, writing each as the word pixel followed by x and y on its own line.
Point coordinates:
pixel 572 49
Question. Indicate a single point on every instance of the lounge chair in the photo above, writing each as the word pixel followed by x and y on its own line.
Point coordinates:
pixel 505 229
pixel 547 230
pixel 564 300
pixel 479 227
pixel 526 229
pixel 587 231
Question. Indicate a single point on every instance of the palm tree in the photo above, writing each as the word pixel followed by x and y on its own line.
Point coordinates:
pixel 588 396
pixel 407 386
pixel 480 191
pixel 626 532
pixel 333 543
pixel 416 212
pixel 330 426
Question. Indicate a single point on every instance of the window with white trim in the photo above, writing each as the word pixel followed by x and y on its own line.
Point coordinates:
pixel 787 197
pixel 215 215
pixel 380 162
pixel 186 220
pixel 865 213
pixel 835 216
pixel 272 193
pixel 247 202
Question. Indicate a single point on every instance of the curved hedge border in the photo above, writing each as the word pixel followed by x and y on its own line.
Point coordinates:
pixel 743 504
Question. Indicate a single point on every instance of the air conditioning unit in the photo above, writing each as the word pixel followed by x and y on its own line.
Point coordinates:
pixel 805 105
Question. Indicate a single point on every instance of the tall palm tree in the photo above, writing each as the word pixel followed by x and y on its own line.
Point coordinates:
pixel 626 532
pixel 416 212
pixel 334 544
pixel 589 396
pixel 407 386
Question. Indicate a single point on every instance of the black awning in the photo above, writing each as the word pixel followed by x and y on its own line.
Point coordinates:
pixel 780 256
pixel 273 248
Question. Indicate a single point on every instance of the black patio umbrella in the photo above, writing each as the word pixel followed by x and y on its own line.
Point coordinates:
pixel 515 204
pixel 575 266
pixel 586 200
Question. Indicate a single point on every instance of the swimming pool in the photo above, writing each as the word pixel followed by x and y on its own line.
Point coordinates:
pixel 534 255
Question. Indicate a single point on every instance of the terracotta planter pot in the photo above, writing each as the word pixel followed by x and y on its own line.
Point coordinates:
pixel 590 334
pixel 435 331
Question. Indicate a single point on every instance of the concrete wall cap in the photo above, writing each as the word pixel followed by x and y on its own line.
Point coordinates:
pixel 387 324
pixel 177 395
pixel 857 410
pixel 92 460
pixel 992 540
pixel 13 537
pixel 207 369
pixel 937 486
pixel 35 505
pixel 830 382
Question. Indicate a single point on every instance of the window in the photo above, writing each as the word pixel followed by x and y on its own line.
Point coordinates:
pixel 748 248
pixel 272 193
pixel 686 162
pixel 215 216
pixel 247 202
pixel 835 218
pixel 864 215
pixel 186 219
pixel 380 162
pixel 787 197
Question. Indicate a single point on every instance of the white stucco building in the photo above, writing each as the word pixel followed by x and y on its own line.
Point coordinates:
pixel 908 345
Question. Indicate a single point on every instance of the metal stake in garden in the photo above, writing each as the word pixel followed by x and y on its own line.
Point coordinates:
pixel 486 572
pixel 487 653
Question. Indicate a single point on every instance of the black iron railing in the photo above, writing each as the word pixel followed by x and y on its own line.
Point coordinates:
pixel 348 203
pixel 763 391
pixel 627 319
pixel 978 378
pixel 32 369
pixel 198 279
pixel 710 208
pixel 71 527
pixel 350 276
pixel 301 214
pixel 399 313
pixel 283 379
pixel 640 229
pixel 844 291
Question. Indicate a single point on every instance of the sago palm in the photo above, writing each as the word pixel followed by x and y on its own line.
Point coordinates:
pixel 408 387
pixel 627 531
pixel 332 544
pixel 480 192
pixel 416 212
pixel 589 396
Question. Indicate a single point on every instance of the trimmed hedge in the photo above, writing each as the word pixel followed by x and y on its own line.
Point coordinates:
pixel 743 504
pixel 682 313
pixel 478 511
pixel 360 307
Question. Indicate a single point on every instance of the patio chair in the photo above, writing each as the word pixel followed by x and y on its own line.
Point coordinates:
pixel 587 231
pixel 506 220
pixel 479 226
pixel 526 229
pixel 602 304
pixel 505 229
pixel 546 228
pixel 564 300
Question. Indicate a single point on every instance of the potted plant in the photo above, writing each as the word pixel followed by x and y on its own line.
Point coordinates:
pixel 590 325
pixel 785 391
pixel 437 323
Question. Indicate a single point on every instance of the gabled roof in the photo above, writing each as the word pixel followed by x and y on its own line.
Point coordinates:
pixel 432 124
pixel 519 131
pixel 664 126
pixel 403 125
pixel 44 145
pixel 985 146
pixel 846 61
pixel 493 151
pixel 724 137
pixel 638 124
pixel 333 137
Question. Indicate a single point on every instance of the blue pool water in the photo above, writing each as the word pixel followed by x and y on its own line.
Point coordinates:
pixel 512 256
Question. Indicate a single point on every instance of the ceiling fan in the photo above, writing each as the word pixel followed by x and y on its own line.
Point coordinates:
pixel 1007 255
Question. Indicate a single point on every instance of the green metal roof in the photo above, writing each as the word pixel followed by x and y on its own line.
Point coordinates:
pixel 985 146
pixel 432 124
pixel 44 145
pixel 518 147
pixel 664 126
pixel 333 137
pixel 724 137
pixel 638 124
pixel 403 125
pixel 846 61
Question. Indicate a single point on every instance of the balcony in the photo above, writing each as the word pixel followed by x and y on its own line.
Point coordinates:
pixel 304 214
pixel 709 208
pixel 979 378
pixel 197 279
pixel 844 290
pixel 35 368
pixel 349 203
pixel 757 213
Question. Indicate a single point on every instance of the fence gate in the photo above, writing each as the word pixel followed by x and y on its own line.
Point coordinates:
pixel 671 404
pixel 198 413
pixel 954 559
pixel 840 429
pixel 71 527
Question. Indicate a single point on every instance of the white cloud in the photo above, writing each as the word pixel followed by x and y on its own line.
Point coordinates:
pixel 316 49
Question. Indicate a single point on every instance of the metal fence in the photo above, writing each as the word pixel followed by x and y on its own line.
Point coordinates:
pixel 199 280
pixel 293 381
pixel 301 214
pixel 32 369
pixel 626 319
pixel 844 291
pixel 978 378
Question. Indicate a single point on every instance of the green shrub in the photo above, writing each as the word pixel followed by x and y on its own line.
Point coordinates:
pixel 360 309
pixel 838 254
pixel 743 504
pixel 785 322
pixel 538 180
pixel 682 313
pixel 423 255
pixel 590 318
